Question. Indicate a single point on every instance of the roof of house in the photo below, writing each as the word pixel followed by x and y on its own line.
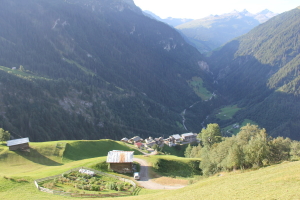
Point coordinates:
pixel 136 138
pixel 120 156
pixel 176 137
pixel 139 144
pixel 124 139
pixel 187 134
pixel 17 141
pixel 149 141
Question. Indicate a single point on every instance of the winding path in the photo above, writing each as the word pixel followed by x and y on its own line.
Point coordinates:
pixel 146 182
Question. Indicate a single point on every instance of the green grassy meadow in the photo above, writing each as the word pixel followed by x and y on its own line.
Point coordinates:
pixel 227 112
pixel 197 84
pixel 19 170
pixel 173 166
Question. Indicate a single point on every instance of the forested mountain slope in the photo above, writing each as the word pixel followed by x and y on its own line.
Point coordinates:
pixel 90 69
pixel 260 72
pixel 211 32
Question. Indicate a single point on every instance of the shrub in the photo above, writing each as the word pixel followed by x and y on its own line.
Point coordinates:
pixel 95 188
pixel 111 186
pixel 120 186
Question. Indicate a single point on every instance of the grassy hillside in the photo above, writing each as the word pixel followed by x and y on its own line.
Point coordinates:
pixel 74 150
pixel 173 166
pixel 275 182
pixel 55 154
pixel 18 171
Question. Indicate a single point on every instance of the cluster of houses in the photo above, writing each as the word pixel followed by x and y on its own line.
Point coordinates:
pixel 171 141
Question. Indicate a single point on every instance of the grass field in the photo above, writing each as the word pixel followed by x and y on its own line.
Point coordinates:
pixel 227 112
pixel 197 84
pixel 173 166
pixel 275 182
pixel 18 171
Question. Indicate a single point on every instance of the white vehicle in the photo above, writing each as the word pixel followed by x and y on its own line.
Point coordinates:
pixel 136 175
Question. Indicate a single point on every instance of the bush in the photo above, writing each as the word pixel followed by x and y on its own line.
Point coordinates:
pixel 95 188
pixel 111 186
pixel 120 186
pixel 103 166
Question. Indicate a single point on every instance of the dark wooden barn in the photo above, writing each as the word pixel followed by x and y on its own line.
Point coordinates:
pixel 18 144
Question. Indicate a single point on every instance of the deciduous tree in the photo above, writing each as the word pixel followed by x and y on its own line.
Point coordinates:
pixel 4 135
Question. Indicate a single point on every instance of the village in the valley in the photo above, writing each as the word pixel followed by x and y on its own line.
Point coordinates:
pixel 152 144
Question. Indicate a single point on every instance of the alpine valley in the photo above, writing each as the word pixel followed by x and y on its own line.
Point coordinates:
pixel 91 69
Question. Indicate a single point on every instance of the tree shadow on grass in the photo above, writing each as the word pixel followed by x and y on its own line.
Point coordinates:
pixel 38 158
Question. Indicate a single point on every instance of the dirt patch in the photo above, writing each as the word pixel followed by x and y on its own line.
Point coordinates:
pixel 170 181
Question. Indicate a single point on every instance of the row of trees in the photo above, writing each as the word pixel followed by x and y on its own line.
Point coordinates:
pixel 250 148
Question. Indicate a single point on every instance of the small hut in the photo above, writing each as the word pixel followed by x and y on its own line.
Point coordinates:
pixel 120 161
pixel 18 144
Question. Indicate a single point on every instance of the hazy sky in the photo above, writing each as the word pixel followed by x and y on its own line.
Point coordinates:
pixel 196 9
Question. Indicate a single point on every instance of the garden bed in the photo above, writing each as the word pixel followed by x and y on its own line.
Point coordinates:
pixel 78 184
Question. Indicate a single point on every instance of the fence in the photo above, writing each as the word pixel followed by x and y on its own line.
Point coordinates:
pixel 36 182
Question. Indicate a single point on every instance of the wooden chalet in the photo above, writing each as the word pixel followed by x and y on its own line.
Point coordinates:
pixel 18 144
pixel 120 161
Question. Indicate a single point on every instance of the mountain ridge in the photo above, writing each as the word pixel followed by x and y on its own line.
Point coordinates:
pixel 215 30
pixel 105 73
pixel 259 72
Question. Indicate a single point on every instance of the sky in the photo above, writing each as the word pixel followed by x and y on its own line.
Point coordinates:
pixel 196 9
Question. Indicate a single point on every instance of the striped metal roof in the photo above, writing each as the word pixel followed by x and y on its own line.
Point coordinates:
pixel 187 134
pixel 176 136
pixel 120 157
pixel 17 141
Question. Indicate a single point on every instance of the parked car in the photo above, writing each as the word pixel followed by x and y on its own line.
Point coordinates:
pixel 136 175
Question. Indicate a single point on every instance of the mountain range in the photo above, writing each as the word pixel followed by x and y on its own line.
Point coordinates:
pixel 169 20
pixel 259 72
pixel 93 69
pixel 211 32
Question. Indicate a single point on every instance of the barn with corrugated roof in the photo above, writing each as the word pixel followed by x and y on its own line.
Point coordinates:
pixel 120 161
pixel 18 144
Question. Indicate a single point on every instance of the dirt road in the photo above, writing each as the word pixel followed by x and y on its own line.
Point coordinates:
pixel 146 182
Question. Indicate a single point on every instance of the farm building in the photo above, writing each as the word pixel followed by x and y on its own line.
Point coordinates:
pixel 189 137
pixel 120 161
pixel 18 144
